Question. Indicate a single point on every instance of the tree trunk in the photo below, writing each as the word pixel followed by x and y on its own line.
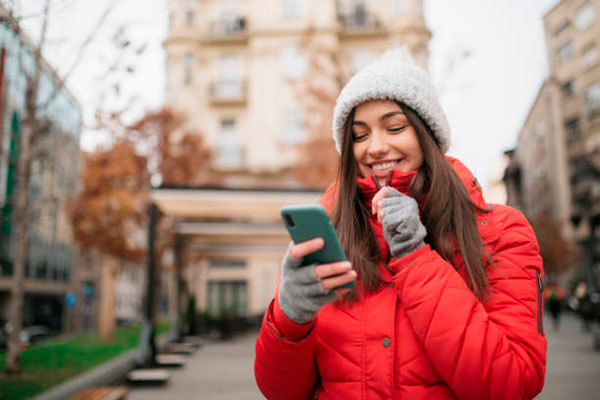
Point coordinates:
pixel 21 221
pixel 107 300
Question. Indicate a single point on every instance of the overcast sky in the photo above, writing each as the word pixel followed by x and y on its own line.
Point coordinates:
pixel 486 94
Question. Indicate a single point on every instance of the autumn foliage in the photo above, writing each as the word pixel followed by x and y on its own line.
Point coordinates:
pixel 557 252
pixel 110 212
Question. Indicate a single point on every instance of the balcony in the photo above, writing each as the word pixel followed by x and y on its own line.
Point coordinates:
pixel 228 92
pixel 228 30
pixel 360 23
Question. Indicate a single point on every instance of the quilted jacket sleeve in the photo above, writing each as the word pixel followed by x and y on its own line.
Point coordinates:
pixel 284 369
pixel 491 350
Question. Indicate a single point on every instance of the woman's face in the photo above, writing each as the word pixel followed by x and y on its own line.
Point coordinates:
pixel 383 140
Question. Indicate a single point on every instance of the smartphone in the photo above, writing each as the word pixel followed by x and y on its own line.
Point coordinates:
pixel 309 221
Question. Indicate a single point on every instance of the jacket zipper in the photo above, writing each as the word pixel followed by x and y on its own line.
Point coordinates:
pixel 540 292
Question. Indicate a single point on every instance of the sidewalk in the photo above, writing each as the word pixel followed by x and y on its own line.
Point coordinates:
pixel 216 371
pixel 573 367
pixel 224 370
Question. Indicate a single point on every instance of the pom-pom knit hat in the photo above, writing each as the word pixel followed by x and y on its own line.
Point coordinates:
pixel 393 76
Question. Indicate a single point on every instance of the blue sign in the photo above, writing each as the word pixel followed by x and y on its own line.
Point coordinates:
pixel 71 299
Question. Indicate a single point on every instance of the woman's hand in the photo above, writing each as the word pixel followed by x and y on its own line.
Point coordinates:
pixel 399 217
pixel 304 289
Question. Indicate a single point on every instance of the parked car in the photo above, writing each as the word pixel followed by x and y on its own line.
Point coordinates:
pixel 34 333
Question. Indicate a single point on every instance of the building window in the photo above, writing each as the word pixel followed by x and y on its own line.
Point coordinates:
pixel 230 77
pixel 573 128
pixel 359 59
pixel 229 154
pixel 190 12
pixel 562 27
pixel 592 99
pixel 295 62
pixel 590 57
pixel 568 89
pixel 227 298
pixel 585 16
pixel 565 52
pixel 188 68
pixel 291 8
pixel 539 128
pixel 400 9
pixel 294 127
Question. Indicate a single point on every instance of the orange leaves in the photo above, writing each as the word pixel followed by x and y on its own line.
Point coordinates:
pixel 110 212
pixel 318 160
pixel 112 203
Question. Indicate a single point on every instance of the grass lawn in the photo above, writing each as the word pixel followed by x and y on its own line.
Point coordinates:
pixel 55 361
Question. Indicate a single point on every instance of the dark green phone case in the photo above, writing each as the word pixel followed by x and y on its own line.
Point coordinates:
pixel 310 221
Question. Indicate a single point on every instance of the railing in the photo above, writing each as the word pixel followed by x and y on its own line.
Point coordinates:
pixel 360 22
pixel 228 29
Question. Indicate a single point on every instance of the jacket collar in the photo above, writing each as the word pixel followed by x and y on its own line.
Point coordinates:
pixel 400 181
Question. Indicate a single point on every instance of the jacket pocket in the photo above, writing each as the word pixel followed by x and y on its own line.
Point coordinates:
pixel 540 304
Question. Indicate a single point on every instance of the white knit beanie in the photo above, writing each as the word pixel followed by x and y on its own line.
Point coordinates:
pixel 393 76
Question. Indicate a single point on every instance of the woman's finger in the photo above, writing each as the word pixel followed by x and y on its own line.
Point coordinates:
pixel 377 199
pixel 326 270
pixel 300 250
pixel 338 280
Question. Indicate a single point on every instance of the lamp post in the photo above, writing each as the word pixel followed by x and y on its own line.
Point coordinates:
pixel 147 349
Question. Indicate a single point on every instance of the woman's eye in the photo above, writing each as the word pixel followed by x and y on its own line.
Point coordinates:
pixel 397 128
pixel 357 137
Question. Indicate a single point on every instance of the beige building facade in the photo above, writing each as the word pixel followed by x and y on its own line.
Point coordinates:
pixel 563 124
pixel 554 171
pixel 237 69
pixel 234 68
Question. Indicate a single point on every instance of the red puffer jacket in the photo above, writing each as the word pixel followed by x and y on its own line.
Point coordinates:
pixel 423 334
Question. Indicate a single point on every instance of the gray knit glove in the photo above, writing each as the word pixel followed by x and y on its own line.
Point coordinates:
pixel 402 227
pixel 301 294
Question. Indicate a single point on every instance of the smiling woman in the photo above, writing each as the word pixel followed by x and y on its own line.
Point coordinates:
pixel 384 140
pixel 447 294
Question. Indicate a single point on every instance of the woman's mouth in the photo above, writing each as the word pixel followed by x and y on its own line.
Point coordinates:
pixel 384 168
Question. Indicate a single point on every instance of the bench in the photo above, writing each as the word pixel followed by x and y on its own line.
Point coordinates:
pixel 102 393
pixel 154 376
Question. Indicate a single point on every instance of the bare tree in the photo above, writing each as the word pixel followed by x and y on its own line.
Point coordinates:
pixel 33 126
pixel 13 355
pixel 318 160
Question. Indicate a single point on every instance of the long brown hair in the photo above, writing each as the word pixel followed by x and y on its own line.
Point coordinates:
pixel 448 213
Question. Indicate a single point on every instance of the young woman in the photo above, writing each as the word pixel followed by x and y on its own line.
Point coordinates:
pixel 448 296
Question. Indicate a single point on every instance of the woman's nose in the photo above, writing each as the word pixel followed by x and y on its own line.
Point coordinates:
pixel 378 145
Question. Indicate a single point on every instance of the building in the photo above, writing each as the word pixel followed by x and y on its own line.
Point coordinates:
pixel 51 255
pixel 541 157
pixel 238 70
pixel 234 69
pixel 555 169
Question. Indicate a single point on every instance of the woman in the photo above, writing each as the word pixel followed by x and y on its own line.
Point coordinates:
pixel 447 302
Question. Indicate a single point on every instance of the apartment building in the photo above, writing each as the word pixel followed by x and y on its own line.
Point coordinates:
pixel 555 168
pixel 237 69
pixel 51 253
pixel 233 68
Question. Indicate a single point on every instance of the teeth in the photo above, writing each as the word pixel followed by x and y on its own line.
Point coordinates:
pixel 379 167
